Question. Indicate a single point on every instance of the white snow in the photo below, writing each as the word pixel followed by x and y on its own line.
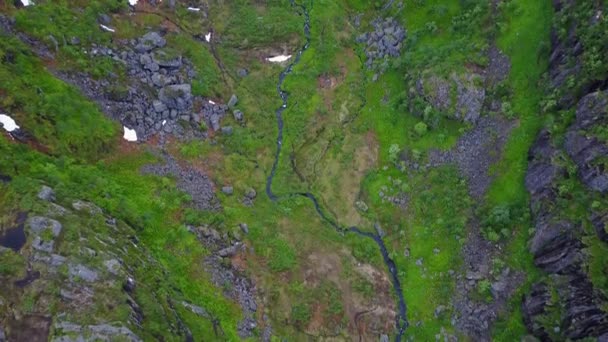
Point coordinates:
pixel 8 123
pixel 211 102
pixel 278 59
pixel 133 2
pixel 208 37
pixel 109 29
pixel 193 9
pixel 164 122
pixel 26 2
pixel 130 134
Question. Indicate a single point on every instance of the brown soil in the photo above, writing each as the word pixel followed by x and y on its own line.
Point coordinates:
pixel 366 318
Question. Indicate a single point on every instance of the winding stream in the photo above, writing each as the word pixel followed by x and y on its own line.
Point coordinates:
pixel 401 320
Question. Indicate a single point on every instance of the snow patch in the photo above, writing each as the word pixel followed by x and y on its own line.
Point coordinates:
pixel 278 59
pixel 211 102
pixel 208 37
pixel 133 2
pixel 164 122
pixel 109 29
pixel 8 123
pixel 26 2
pixel 194 9
pixel 130 134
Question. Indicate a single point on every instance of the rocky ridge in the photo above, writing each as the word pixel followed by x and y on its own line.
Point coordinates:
pixel 558 248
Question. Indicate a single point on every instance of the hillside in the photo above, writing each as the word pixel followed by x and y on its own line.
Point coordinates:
pixel 303 170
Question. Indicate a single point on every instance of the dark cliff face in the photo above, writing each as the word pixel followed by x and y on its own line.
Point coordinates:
pixel 559 242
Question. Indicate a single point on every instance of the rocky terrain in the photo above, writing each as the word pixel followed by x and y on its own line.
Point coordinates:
pixel 290 170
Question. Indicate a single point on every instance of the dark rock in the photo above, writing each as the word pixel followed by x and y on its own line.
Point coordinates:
pixel 242 72
pixel 600 223
pixel 583 147
pixel 228 190
pixel 251 193
pixel 227 130
pixel 74 41
pixel 533 305
pixel 129 285
pixel 104 19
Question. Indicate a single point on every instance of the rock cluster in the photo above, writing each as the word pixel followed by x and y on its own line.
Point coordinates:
pixel 475 152
pixel 191 181
pixel 437 91
pixel 558 250
pixel 385 41
pixel 158 97
pixel 242 289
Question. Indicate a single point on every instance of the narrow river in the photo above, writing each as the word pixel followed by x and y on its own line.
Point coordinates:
pixel 401 319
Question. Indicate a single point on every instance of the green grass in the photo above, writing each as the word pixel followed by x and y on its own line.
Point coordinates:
pixel 56 114
pixel 522 40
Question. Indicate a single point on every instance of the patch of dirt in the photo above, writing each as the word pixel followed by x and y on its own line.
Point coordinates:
pixel 31 328
pixel 366 318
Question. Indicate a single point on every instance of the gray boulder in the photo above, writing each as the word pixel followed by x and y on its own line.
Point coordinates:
pixel 82 272
pixel 228 190
pixel 176 96
pixel 38 224
pixel 164 60
pixel 238 115
pixel 227 130
pixel 46 194
pixel 242 72
pixel 233 101
pixel 150 41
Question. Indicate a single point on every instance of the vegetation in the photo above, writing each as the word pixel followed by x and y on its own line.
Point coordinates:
pixel 361 140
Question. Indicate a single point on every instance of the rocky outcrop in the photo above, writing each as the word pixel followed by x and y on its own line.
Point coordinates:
pixel 385 41
pixel 584 146
pixel 242 289
pixel 460 97
pixel 155 97
pixel 557 248
pixel 569 50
